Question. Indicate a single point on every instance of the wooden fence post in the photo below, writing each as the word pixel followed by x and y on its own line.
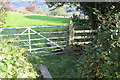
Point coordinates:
pixel 46 74
pixel 70 34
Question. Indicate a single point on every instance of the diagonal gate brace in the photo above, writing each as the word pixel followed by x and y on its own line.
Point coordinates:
pixel 46 38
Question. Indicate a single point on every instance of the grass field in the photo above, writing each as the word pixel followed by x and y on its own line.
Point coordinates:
pixel 62 66
pixel 20 20
pixel 38 43
pixel 58 65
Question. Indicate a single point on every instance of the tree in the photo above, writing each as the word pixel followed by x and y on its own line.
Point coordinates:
pixel 101 59
pixel 58 12
pixel 9 7
pixel 89 8
pixel 32 7
pixel 2 14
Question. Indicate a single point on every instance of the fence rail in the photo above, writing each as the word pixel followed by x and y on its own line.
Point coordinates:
pixel 46 47
pixel 73 35
pixel 33 33
pixel 68 35
pixel 44 43
pixel 42 39
pixel 84 31
pixel 33 27
pixel 84 35
pixel 39 39
pixel 84 42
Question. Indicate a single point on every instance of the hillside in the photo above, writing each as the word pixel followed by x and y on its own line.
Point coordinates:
pixel 20 20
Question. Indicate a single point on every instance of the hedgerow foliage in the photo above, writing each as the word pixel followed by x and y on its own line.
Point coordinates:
pixel 13 62
pixel 81 24
pixel 102 57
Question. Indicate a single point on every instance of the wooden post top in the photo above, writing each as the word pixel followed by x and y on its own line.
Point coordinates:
pixel 46 74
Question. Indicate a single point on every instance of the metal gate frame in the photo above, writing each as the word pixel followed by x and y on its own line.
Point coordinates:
pixel 31 29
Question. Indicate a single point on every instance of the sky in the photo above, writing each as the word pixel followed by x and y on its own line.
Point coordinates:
pixel 30 0
pixel 19 3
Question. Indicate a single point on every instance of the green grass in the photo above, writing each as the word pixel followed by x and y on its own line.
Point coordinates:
pixel 20 20
pixel 34 36
pixel 60 66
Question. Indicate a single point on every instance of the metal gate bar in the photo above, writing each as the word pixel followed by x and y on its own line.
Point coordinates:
pixel 29 31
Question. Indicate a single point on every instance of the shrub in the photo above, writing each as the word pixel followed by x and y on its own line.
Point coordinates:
pixel 58 12
pixel 80 23
pixel 102 57
pixel 14 63
pixel 96 63
pixel 40 12
pixel 25 12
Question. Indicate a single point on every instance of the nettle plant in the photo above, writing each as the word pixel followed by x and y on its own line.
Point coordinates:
pixel 102 57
